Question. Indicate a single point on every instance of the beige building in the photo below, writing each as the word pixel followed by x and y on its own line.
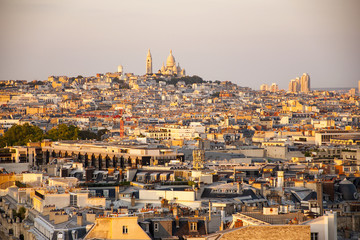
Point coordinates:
pixel 76 198
pixel 294 85
pixel 114 227
pixel 305 83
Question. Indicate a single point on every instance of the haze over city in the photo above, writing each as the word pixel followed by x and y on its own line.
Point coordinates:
pixel 246 42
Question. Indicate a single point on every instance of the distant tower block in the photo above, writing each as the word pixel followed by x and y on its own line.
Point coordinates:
pixel 198 158
pixel 120 68
pixel 305 83
pixel 148 63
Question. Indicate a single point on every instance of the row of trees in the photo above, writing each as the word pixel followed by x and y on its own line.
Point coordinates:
pixel 19 135
pixel 187 80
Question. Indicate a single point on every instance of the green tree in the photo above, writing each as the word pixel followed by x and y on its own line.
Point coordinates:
pixel 87 134
pixel 100 133
pixel 21 213
pixel 20 135
pixel 63 132
pixel 187 80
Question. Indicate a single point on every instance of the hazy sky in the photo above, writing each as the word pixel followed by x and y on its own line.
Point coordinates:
pixel 248 42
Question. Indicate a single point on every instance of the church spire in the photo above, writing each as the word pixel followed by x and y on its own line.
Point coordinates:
pixel 148 63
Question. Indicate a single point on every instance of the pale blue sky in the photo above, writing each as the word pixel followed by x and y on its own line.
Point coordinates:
pixel 249 42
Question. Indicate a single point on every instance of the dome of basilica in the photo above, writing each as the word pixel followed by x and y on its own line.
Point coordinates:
pixel 170 62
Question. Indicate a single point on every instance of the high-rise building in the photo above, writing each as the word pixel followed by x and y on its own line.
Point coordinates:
pixel 120 68
pixel 352 92
pixel 305 83
pixel 298 85
pixel 293 86
pixel 274 87
pixel 148 63
pixel 264 87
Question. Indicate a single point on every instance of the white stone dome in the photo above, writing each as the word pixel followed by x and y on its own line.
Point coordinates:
pixel 170 62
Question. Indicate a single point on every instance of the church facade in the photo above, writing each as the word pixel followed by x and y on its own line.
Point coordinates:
pixel 170 69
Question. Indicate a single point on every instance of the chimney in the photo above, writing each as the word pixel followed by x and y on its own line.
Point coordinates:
pixel 80 220
pixel 52 215
pixel 319 193
pixel 196 213
pixel 132 201
pixel 238 188
pixel 175 211
pixel 90 217
pixel 209 210
pixel 177 221
pixel 47 209
pixel 60 218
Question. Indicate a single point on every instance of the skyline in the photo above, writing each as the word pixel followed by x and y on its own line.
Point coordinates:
pixel 246 42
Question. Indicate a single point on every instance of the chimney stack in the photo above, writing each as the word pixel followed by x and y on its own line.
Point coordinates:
pixel 177 221
pixel 132 201
pixel 209 210
pixel 238 188
pixel 80 220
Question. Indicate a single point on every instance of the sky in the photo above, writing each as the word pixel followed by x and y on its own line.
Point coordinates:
pixel 248 42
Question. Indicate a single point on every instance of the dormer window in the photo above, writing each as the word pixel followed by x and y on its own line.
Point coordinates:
pixel 125 229
pixel 156 227
pixel 193 226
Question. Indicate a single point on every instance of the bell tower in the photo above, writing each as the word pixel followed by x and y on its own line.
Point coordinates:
pixel 148 63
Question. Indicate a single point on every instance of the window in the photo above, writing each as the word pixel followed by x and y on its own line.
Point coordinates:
pixel 73 200
pixel 106 193
pixel 125 229
pixel 156 227
pixel 314 236
pixel 93 193
pixel 193 226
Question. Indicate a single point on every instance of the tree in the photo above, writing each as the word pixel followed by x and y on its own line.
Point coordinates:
pixel 100 133
pixel 21 134
pixel 187 80
pixel 63 132
pixel 87 134
pixel 21 213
